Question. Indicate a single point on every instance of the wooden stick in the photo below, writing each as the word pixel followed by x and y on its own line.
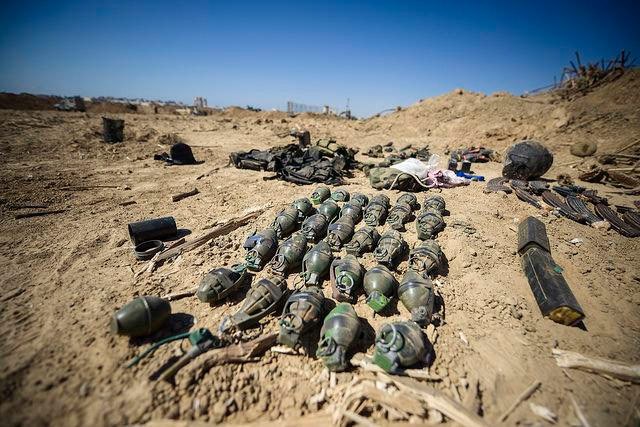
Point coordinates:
pixel 358 418
pixel 637 141
pixel 472 398
pixel 597 365
pixel 579 412
pixel 400 401
pixel 127 203
pixel 435 399
pixel 88 187
pixel 41 213
pixel 221 230
pixel 178 295
pixel 523 396
pixel 180 196
pixel 364 362
pixel 238 353
pixel 204 175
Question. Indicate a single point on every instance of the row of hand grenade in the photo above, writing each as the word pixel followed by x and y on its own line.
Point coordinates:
pixel 399 345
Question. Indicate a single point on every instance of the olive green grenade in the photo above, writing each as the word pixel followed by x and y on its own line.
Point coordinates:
pixel 359 199
pixel 391 248
pixel 339 233
pixel 429 223
pixel 316 263
pixel 140 317
pixel 340 195
pixel 410 199
pixel 426 257
pixel 434 202
pixel 352 211
pixel 261 247
pixel 364 240
pixel 319 195
pixel 286 222
pixel 314 228
pixel 329 209
pixel 302 311
pixel 399 215
pixel 219 283
pixel 304 208
pixel 289 255
pixel 338 334
pixel 400 345
pixel 376 211
pixel 346 276
pixel 416 294
pixel 380 286
pixel 262 299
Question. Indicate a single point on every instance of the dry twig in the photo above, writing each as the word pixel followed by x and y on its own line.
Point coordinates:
pixel 180 196
pixel 523 396
pixel 364 362
pixel 435 399
pixel 606 367
pixel 178 295
pixel 239 353
pixel 221 230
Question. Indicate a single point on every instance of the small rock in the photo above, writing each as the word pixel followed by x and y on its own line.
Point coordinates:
pixel 219 411
pixel 515 313
pixel 576 241
pixel 84 390
pixel 583 149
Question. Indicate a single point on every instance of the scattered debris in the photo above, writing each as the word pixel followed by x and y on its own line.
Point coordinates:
pixel 221 230
pixel 436 400
pixel 324 161
pixel 543 412
pixel 238 353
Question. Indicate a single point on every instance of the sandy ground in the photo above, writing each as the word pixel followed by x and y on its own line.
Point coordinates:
pixel 63 275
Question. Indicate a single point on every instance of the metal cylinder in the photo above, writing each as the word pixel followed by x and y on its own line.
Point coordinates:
pixel 153 229
pixel 112 130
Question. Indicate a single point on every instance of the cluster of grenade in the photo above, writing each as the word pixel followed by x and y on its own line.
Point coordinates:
pixel 327 229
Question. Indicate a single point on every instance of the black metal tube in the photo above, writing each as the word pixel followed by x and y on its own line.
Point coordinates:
pixel 153 229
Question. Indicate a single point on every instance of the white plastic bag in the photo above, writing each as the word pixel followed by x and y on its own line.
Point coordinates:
pixel 418 167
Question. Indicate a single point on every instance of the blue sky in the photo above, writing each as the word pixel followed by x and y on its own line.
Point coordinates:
pixel 377 53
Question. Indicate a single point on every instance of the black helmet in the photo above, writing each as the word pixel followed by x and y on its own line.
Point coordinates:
pixel 181 154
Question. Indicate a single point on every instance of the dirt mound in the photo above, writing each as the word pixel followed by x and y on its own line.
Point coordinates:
pixel 463 118
pixel 111 108
pixel 63 275
pixel 26 101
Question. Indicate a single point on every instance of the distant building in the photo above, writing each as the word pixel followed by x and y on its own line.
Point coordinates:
pixel 200 102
